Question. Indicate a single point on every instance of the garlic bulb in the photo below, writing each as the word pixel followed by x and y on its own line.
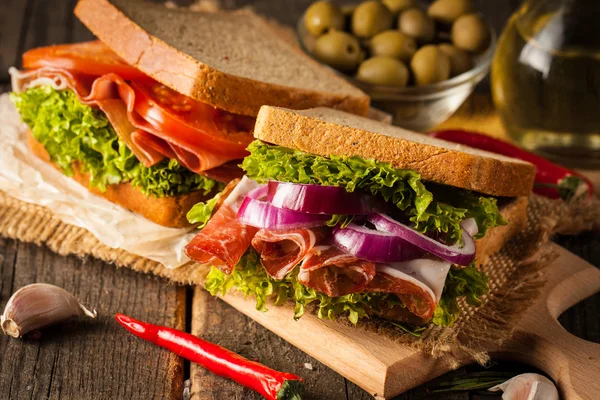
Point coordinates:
pixel 39 305
pixel 527 387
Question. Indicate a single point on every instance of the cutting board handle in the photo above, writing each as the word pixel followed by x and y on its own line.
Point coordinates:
pixel 540 340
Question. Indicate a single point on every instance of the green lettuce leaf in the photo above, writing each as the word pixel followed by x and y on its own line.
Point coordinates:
pixel 466 282
pixel 201 212
pixel 74 132
pixel 485 212
pixel 250 278
pixel 340 220
pixel 403 188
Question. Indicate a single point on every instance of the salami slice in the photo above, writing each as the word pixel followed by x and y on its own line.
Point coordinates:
pixel 334 272
pixel 281 251
pixel 223 241
pixel 418 284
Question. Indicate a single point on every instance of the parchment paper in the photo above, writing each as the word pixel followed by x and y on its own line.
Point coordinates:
pixel 29 179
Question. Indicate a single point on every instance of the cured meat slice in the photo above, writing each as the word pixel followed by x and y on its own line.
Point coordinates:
pixel 150 139
pixel 223 241
pixel 189 153
pixel 418 283
pixel 225 173
pixel 280 251
pixel 330 270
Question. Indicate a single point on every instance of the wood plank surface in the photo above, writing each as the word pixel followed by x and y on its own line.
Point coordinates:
pixel 13 26
pixel 97 359
pixel 216 321
pixel 85 358
pixel 49 22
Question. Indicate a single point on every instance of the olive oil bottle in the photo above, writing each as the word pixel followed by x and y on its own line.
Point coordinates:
pixel 546 79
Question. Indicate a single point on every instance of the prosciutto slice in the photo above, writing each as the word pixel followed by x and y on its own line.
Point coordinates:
pixel 146 139
pixel 280 251
pixel 330 270
pixel 418 283
pixel 223 241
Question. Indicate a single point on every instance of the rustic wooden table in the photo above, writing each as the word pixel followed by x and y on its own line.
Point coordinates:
pixel 97 359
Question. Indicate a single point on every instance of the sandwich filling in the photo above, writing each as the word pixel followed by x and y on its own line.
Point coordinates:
pixel 87 106
pixel 72 132
pixel 349 235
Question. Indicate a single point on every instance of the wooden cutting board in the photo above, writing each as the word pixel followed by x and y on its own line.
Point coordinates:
pixel 385 368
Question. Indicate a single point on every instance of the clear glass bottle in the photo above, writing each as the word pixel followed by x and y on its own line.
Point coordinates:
pixel 546 79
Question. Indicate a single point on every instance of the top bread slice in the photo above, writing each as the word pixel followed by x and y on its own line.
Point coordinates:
pixel 325 131
pixel 230 60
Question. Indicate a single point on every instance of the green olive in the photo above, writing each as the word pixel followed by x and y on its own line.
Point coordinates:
pixel 417 25
pixel 322 16
pixel 393 44
pixel 370 18
pixel 460 61
pixel 447 11
pixel 430 65
pixel 397 6
pixel 470 33
pixel 384 71
pixel 339 50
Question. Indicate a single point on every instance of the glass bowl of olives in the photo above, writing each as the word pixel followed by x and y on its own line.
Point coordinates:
pixel 417 63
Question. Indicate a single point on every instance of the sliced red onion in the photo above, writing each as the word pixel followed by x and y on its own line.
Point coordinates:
pixel 458 255
pixel 317 199
pixel 260 214
pixel 374 245
pixel 239 192
pixel 470 225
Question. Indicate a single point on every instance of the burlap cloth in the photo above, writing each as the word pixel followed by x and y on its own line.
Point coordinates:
pixel 516 272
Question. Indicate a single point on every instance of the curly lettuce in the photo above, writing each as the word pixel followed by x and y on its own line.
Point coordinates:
pixel 468 282
pixel 401 187
pixel 250 278
pixel 73 132
pixel 340 220
pixel 202 211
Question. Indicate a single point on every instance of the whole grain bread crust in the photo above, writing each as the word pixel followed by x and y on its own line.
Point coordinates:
pixel 166 211
pixel 329 132
pixel 195 79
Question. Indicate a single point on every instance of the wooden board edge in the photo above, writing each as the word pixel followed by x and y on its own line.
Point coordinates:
pixel 379 366
pixel 540 340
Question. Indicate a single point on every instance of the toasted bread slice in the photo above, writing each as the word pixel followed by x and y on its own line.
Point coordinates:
pixel 166 211
pixel 325 131
pixel 230 60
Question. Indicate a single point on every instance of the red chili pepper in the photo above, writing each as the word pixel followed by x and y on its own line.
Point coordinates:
pixel 551 180
pixel 273 385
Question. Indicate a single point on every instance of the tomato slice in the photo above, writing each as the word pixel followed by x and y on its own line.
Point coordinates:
pixel 193 121
pixel 89 58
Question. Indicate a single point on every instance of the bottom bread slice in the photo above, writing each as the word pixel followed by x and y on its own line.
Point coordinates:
pixel 166 211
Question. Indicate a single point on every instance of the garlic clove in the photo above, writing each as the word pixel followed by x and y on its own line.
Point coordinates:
pixel 39 305
pixel 527 387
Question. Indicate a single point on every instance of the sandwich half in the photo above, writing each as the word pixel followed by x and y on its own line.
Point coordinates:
pixel 157 114
pixel 358 219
